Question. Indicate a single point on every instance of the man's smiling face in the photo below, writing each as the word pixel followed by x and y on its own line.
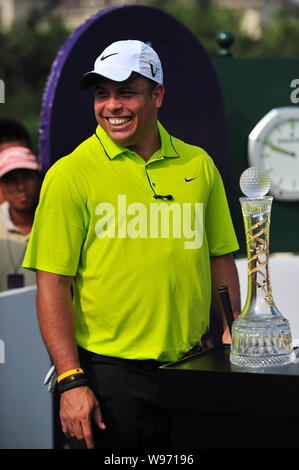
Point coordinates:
pixel 128 111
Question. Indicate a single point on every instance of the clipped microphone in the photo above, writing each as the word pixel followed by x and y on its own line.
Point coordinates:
pixel 159 196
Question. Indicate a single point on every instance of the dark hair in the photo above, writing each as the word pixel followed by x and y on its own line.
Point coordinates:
pixel 8 177
pixel 134 75
pixel 11 130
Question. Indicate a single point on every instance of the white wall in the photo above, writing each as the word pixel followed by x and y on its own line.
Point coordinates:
pixel 25 403
pixel 284 276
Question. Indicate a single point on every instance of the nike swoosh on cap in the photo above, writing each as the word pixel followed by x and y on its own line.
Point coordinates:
pixel 190 179
pixel 109 55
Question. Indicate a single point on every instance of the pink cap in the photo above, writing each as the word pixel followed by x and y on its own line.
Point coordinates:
pixel 14 158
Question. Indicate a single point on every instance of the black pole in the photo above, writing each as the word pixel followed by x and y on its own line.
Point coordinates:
pixel 225 299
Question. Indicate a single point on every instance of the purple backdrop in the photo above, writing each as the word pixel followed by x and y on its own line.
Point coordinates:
pixel 192 110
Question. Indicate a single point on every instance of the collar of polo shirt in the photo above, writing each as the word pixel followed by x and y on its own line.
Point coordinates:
pixel 112 150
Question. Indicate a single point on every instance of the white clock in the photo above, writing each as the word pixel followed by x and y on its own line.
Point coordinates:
pixel 273 146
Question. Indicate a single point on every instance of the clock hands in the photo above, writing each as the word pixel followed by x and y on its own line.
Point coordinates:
pixel 280 149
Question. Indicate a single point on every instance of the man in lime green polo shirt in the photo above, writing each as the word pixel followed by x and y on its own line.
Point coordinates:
pixel 137 222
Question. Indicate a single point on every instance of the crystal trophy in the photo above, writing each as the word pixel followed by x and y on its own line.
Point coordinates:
pixel 261 336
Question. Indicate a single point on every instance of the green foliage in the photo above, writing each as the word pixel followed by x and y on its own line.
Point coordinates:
pixel 279 36
pixel 27 53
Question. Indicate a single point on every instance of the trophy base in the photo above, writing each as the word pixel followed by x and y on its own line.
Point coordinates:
pixel 261 341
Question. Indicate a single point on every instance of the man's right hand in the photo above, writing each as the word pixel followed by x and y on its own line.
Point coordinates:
pixel 78 407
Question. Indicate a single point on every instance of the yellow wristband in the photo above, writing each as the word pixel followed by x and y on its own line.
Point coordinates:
pixel 68 373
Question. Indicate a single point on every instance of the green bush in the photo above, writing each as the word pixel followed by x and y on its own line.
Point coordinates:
pixel 27 53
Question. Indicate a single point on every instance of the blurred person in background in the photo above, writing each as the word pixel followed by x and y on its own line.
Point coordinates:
pixel 12 133
pixel 20 182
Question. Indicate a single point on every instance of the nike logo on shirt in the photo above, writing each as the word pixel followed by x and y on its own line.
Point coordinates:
pixel 190 179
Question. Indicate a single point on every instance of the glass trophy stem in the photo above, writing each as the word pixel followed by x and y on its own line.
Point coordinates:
pixel 261 336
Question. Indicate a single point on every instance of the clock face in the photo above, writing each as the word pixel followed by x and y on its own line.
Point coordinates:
pixel 273 146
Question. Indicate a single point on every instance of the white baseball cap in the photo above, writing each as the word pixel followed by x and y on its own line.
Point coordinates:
pixel 120 59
